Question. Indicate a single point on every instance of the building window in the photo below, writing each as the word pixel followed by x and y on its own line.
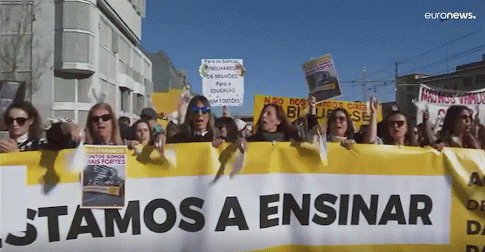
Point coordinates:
pixel 83 88
pixel 76 16
pixel 106 35
pixel 135 105
pixel 64 89
pixel 15 32
pixel 76 47
pixel 124 50
pixel 467 81
pixel 82 116
pixel 108 93
pixel 125 99
pixel 147 69
pixel 141 102
pixel 480 79
pixel 64 114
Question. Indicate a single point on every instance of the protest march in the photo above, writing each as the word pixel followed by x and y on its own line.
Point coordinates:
pixel 241 126
pixel 318 169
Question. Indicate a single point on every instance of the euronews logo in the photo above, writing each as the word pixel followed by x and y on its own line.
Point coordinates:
pixel 449 15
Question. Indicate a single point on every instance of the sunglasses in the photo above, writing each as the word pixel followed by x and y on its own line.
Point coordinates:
pixel 20 120
pixel 104 118
pixel 464 117
pixel 204 110
pixel 399 123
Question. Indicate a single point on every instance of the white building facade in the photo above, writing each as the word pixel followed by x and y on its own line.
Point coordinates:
pixel 86 51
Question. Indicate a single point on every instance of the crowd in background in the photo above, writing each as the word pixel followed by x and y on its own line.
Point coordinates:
pixel 197 124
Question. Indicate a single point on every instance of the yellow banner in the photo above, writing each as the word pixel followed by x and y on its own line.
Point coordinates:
pixel 298 107
pixel 461 208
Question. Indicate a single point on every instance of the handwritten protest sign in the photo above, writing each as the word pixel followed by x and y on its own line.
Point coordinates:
pixel 321 77
pixel 435 102
pixel 295 108
pixel 223 81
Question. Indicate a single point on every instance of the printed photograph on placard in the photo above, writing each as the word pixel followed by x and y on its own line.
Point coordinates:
pixel 103 179
pixel 321 77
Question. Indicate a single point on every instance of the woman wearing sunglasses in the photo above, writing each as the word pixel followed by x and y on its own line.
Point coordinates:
pixel 273 125
pixel 198 124
pixel 102 126
pixel 23 125
pixel 340 128
pixel 226 131
pixel 457 129
pixel 400 131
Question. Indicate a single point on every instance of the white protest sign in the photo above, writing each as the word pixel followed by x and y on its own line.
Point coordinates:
pixel 223 81
pixel 251 211
pixel 12 197
pixel 435 102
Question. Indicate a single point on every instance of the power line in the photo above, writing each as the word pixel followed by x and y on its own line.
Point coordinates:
pixel 464 53
pixel 423 53
pixel 439 47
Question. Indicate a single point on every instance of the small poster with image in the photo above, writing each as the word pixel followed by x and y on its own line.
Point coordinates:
pixel 321 77
pixel 103 178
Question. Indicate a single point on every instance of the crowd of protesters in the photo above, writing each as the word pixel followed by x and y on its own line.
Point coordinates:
pixel 103 127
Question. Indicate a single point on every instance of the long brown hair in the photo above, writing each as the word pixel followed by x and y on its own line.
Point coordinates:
pixel 35 131
pixel 115 130
pixel 452 115
pixel 187 128
pixel 284 126
pixel 409 139
pixel 149 128
pixel 349 133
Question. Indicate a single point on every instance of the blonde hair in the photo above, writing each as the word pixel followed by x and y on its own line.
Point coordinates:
pixel 115 129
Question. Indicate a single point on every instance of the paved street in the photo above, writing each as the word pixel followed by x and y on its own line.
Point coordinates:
pixel 102 200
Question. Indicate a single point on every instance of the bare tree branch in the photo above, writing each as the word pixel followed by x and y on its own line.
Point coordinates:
pixel 17 43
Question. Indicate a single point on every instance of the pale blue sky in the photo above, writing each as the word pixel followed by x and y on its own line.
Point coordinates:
pixel 275 37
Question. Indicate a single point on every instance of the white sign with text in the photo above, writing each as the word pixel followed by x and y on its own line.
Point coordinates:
pixel 223 81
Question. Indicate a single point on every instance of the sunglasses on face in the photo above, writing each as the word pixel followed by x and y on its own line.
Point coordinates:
pixel 104 118
pixel 399 123
pixel 20 120
pixel 204 110
pixel 464 117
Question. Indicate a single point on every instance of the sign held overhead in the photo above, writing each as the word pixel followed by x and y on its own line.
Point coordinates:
pixel 223 81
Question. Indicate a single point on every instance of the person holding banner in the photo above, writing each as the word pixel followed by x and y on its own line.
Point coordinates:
pixel 142 133
pixel 226 131
pixel 102 126
pixel 24 127
pixel 400 131
pixel 304 124
pixel 340 128
pixel 198 125
pixel 273 125
pixel 457 129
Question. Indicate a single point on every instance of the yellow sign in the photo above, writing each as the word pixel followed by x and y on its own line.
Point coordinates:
pixel 166 102
pixel 375 197
pixel 297 107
